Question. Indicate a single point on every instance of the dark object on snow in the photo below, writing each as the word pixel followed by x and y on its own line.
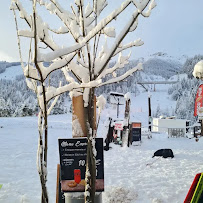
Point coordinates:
pixel 109 137
pixel 165 153
pixel 106 148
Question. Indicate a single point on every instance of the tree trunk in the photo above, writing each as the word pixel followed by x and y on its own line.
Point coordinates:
pixel 42 156
pixel 90 162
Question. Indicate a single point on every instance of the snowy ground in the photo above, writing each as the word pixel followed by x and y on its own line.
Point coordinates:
pixel 128 178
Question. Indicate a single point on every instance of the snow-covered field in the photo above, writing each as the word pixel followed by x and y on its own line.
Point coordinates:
pixel 128 178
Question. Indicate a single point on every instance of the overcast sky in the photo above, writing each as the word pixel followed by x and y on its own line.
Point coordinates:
pixel 174 27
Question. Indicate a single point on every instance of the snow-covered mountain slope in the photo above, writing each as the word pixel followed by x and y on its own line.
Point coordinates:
pixel 156 64
pixel 166 57
pixel 11 73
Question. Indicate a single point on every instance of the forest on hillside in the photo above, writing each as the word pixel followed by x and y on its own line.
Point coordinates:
pixel 18 100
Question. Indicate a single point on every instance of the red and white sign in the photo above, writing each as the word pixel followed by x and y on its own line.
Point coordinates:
pixel 118 126
pixel 198 100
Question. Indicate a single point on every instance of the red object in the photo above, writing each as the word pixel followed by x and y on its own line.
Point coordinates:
pixel 198 100
pixel 114 134
pixel 192 189
pixel 77 175
pixel 118 126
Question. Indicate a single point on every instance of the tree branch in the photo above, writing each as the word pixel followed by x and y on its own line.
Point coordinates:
pixel 122 77
pixel 120 38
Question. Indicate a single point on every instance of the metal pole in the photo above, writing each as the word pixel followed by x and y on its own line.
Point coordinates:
pixel 149 106
pixel 118 108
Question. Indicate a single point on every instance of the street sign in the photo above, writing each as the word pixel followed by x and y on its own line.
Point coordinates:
pixel 118 126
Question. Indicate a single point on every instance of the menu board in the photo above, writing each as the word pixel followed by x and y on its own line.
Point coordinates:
pixel 73 154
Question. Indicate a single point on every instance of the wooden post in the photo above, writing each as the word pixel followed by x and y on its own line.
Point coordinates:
pixel 78 113
pixel 57 183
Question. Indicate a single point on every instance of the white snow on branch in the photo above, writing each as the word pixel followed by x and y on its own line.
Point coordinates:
pixel 43 33
pixel 26 33
pixel 109 31
pixel 198 70
pixel 140 4
pixel 55 8
pixel 127 96
pixel 31 72
pixel 76 93
pixel 86 97
pixel 151 6
pixel 55 65
pixel 69 87
pixel 54 102
pixel 79 70
pixel 101 102
pixel 134 26
pixel 61 30
pixel 99 5
pixel 75 30
pixel 59 53
pixel 93 146
pixel 76 128
pixel 67 76
pixel 101 25
pixel 122 77
pixel 16 4
pixel 136 43
pixel 118 40
pixel 31 84
pixel 41 2
pixel 122 61
pixel 88 10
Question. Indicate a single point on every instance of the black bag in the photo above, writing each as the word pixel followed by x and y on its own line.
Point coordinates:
pixel 165 153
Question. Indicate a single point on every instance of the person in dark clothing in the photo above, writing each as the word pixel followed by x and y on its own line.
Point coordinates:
pixel 109 137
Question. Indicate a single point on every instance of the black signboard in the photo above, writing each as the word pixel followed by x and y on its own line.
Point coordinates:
pixel 136 134
pixel 73 154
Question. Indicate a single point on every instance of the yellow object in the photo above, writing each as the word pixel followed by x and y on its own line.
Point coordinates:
pixel 198 190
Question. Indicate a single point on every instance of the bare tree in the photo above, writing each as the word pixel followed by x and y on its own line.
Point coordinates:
pixel 85 62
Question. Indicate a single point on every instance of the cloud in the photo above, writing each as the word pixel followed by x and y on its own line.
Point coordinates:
pixel 5 57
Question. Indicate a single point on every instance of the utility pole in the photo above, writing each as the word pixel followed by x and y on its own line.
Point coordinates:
pixel 118 108
pixel 150 115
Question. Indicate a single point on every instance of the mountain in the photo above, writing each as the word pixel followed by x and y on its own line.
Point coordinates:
pixel 162 64
pixel 20 101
